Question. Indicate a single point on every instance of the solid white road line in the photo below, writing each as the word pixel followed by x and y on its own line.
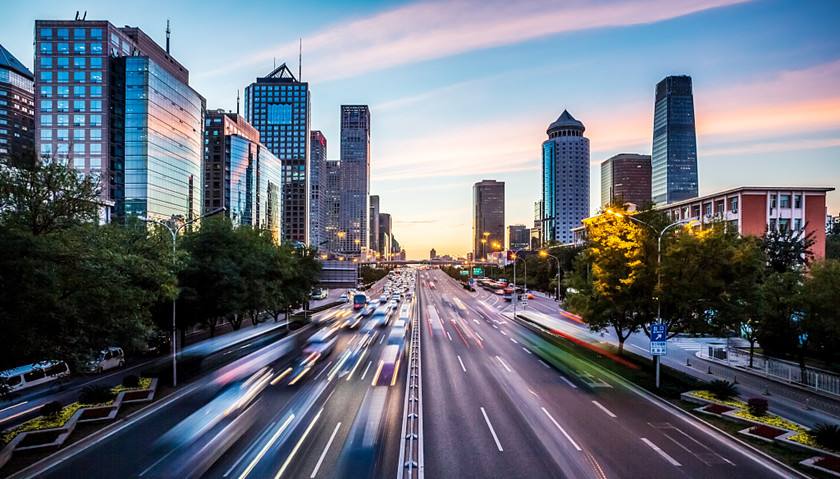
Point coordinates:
pixel 479 337
pixel 574 444
pixel 324 454
pixel 661 452
pixel 366 369
pixel 503 364
pixel 297 446
pixel 492 431
pixel 155 463
pixel 601 407
pixel 248 451
pixel 564 378
pixel 495 326
pixel 462 363
pixel 267 446
pixel 13 406
pixel 527 350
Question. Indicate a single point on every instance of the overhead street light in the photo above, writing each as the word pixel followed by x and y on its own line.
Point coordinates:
pixel 545 254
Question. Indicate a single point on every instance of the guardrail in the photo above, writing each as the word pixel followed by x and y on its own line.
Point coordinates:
pixel 410 464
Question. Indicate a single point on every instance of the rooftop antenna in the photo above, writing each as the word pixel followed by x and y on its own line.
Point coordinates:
pixel 237 101
pixel 274 59
pixel 167 36
pixel 77 14
pixel 300 56
pixel 85 16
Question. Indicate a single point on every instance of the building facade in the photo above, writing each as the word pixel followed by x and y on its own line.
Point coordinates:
pixel 674 154
pixel 385 235
pixel 317 181
pixel 113 103
pixel 488 217
pixel 355 177
pixel 332 204
pixel 755 210
pixel 625 178
pixel 17 109
pixel 373 222
pixel 278 106
pixel 519 237
pixel 565 181
pixel 240 174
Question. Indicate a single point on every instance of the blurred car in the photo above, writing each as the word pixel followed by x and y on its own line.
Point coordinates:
pixel 109 358
pixel 344 298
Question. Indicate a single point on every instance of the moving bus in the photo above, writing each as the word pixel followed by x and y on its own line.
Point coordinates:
pixel 389 364
pixel 30 375
pixel 359 300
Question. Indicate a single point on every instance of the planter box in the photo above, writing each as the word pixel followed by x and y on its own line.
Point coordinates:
pixel 771 440
pixel 784 439
pixel 812 463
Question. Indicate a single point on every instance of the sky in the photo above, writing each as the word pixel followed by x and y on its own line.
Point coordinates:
pixel 462 91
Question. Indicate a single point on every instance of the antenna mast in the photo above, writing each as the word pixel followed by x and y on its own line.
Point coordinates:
pixel 237 101
pixel 300 57
pixel 167 36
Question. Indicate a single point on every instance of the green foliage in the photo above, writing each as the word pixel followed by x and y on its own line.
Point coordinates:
pixel 131 381
pixel 722 389
pixel 96 394
pixel 827 436
pixel 52 408
pixel 820 300
pixel 757 406
pixel 370 274
pixel 788 250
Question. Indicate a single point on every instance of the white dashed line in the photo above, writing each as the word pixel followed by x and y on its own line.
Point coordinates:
pixel 462 364
pixel 492 431
pixel 564 378
pixel 544 364
pixel 515 341
pixel 601 407
pixel 503 364
pixel 527 350
pixel 574 444
pixel 661 452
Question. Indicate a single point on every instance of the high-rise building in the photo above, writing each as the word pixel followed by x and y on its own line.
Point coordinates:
pixel 385 235
pixel 488 217
pixel 674 158
pixel 278 107
pixel 536 230
pixel 625 178
pixel 240 173
pixel 355 177
pixel 519 237
pixel 565 169
pixel 17 109
pixel 432 254
pixel 317 182
pixel 373 221
pixel 113 103
pixel 332 204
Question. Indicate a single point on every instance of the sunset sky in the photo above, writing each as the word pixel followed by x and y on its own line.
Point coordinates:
pixel 463 91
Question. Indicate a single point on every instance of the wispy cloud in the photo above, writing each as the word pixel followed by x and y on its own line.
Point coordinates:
pixel 429 30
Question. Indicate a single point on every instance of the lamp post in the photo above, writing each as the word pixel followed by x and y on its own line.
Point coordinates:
pixel 545 254
pixel 174 230
pixel 515 294
pixel 660 234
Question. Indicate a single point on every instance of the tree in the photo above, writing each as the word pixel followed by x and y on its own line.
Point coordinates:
pixel 788 250
pixel 821 307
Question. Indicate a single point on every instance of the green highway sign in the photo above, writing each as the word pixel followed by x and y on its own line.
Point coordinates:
pixel 464 272
pixel 478 271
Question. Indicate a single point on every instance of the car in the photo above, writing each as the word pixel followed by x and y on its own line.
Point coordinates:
pixel 344 298
pixel 383 299
pixel 31 375
pixel 108 358
pixel 319 293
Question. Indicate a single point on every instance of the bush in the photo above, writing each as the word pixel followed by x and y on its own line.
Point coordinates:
pixel 95 395
pixel 52 408
pixel 827 436
pixel 723 389
pixel 131 381
pixel 757 406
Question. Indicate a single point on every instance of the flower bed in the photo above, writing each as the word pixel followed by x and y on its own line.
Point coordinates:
pixel 43 422
pixel 828 462
pixel 717 408
pixel 709 397
pixel 767 432
pixel 769 420
pixel 142 383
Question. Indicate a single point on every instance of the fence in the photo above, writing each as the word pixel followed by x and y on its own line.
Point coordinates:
pixel 785 371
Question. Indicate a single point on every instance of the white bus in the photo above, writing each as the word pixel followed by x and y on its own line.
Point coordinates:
pixel 30 375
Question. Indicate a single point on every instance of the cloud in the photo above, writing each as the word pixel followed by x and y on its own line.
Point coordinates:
pixel 430 30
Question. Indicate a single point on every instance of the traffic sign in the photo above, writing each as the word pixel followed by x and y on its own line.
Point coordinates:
pixel 658 348
pixel 478 271
pixel 464 272
pixel 658 332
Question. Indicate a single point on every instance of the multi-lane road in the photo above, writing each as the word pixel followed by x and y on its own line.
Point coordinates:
pixel 490 408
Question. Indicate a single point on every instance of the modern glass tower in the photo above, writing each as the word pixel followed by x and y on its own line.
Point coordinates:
pixel 278 107
pixel 625 178
pixel 488 217
pixel 565 171
pixel 17 109
pixel 355 177
pixel 318 186
pixel 674 158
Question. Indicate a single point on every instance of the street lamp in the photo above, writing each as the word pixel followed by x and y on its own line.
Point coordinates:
pixel 545 254
pixel 660 234
pixel 174 230
pixel 515 293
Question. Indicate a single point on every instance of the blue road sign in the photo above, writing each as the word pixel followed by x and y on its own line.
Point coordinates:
pixel 658 332
pixel 658 348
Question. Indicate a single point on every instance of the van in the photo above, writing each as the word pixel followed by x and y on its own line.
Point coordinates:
pixel 104 360
pixel 30 375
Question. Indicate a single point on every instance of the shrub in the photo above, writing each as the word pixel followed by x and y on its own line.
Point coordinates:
pixel 131 381
pixel 827 436
pixel 52 408
pixel 95 394
pixel 757 406
pixel 723 389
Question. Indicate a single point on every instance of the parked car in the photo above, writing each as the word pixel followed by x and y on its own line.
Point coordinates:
pixel 30 375
pixel 109 358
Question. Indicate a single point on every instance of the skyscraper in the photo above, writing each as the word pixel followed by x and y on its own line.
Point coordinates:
pixel 626 178
pixel 565 182
pixel 109 100
pixel 317 181
pixel 355 177
pixel 519 237
pixel 17 109
pixel 373 218
pixel 488 217
pixel 332 204
pixel 240 173
pixel 674 158
pixel 385 235
pixel 278 107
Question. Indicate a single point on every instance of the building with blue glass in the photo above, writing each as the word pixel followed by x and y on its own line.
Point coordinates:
pixel 565 180
pixel 277 105
pixel 17 109
pixel 674 155
pixel 317 189
pixel 355 178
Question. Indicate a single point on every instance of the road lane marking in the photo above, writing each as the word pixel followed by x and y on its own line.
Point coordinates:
pixel 358 361
pixel 495 326
pixel 449 335
pixel 322 371
pixel 515 341
pixel 492 431
pixel 297 446
pixel 248 451
pixel 527 350
pixel 476 321
pixel 544 364
pixel 574 444
pixel 21 413
pixel 661 452
pixel 479 337
pixel 601 407
pixel 366 369
pixel 532 392
pixel 462 363
pixel 13 406
pixel 564 378
pixel 267 446
pixel 503 332
pixel 324 454
pixel 281 376
pixel 155 463
pixel 503 364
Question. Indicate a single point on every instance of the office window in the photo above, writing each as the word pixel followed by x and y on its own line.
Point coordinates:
pixel 63 34
pixel 78 33
pixel 63 47
pixel 79 77
pixel 62 106
pixel 79 62
pixel 733 204
pixel 784 201
pixel 46 135
pixel 96 105
pixel 62 120
pixel 46 92
pixel 78 135
pixel 95 163
pixel 95 62
pixel 96 77
pixel 95 149
pixel 63 91
pixel 96 134
pixel 46 34
pixel 46 77
pixel 79 48
pixel 78 120
pixel 46 120
pixel 63 77
pixel 46 105
pixel 95 120
pixel 96 33
pixel 46 48
pixel 46 149
pixel 79 149
pixel 63 62
pixel 95 48
pixel 78 105
pixel 79 91
pixel 62 135
pixel 46 62
pixel 96 91
pixel 797 201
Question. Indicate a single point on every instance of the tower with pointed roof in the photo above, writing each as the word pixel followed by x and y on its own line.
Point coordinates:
pixel 565 179
pixel 17 109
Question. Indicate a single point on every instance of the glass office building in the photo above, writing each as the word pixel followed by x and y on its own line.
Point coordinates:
pixel 565 195
pixel 674 156
pixel 17 109
pixel 277 105
pixel 355 178
pixel 317 189
pixel 268 195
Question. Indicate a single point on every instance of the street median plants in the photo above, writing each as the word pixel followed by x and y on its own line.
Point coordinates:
pixel 722 389
pixel 827 436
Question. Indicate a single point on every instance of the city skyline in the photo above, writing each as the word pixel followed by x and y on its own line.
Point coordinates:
pixel 741 129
